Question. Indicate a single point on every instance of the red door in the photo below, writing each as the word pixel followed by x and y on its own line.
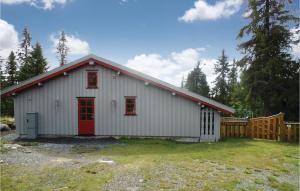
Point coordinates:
pixel 86 121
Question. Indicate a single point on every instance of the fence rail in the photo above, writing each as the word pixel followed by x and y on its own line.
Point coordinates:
pixel 271 127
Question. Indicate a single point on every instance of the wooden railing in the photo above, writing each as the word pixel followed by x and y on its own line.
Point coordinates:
pixel 272 127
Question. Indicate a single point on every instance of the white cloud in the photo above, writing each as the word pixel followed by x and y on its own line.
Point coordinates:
pixel 44 4
pixel 247 13
pixel 204 11
pixel 8 39
pixel 296 47
pixel 173 67
pixel 76 45
pixel 12 2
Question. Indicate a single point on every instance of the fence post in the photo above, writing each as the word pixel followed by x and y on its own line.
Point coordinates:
pixel 282 129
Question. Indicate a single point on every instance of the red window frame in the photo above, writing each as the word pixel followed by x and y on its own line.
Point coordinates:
pixel 89 75
pixel 127 112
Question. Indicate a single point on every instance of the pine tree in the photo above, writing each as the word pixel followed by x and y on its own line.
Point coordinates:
pixel 24 55
pixel 7 105
pixel 182 85
pixel 220 92
pixel 232 79
pixel 25 45
pixel 62 49
pixel 270 73
pixel 11 70
pixel 196 81
pixel 2 78
pixel 38 63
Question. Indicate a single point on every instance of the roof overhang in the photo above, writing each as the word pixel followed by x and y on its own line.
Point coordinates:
pixel 60 71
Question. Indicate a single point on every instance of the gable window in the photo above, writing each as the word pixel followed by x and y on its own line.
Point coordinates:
pixel 130 105
pixel 92 79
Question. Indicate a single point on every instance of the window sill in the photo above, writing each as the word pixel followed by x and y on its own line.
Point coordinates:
pixel 92 88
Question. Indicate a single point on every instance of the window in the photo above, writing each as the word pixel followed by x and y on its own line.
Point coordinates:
pixel 86 108
pixel 92 79
pixel 130 106
pixel 213 123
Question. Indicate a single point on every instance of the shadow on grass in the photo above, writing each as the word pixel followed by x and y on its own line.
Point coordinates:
pixel 229 147
pixel 136 146
pixel 70 140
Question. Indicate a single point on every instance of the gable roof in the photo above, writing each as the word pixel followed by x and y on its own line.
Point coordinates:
pixel 123 70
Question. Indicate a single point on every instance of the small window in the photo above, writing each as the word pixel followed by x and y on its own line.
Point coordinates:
pixel 130 106
pixel 92 80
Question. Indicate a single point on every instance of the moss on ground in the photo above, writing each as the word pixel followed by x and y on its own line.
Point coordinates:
pixel 7 120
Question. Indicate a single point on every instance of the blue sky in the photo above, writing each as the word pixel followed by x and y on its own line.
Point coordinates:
pixel 163 38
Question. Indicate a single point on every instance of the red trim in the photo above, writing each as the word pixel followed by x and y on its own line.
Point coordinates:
pixel 134 106
pixel 159 85
pixel 88 76
pixel 61 72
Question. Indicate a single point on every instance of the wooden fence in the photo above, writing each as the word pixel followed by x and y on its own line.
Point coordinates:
pixel 272 127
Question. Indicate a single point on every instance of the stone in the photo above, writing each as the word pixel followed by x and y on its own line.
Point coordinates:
pixel 11 146
pixel 106 161
pixel 27 151
pixel 4 127
pixel 62 188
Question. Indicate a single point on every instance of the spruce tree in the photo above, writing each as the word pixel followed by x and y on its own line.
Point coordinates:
pixel 271 76
pixel 2 78
pixel 7 105
pixel 182 85
pixel 62 49
pixel 38 63
pixel 196 81
pixel 220 92
pixel 11 70
pixel 232 79
pixel 24 55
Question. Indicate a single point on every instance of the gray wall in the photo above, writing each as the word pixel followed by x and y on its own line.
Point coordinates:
pixel 158 112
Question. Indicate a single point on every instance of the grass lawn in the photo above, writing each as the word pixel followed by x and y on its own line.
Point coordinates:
pixel 151 164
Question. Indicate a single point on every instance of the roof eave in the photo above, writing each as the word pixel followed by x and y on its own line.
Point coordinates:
pixel 114 66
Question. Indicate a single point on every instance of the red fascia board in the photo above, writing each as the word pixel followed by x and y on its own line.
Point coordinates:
pixel 60 72
pixel 161 86
pixel 27 86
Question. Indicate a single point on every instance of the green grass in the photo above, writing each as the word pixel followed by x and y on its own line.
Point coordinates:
pixel 165 164
pixel 280 185
pixel 87 177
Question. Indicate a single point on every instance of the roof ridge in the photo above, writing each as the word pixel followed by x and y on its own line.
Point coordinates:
pixel 115 66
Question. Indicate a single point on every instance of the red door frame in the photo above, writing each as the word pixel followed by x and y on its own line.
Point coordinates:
pixel 86 116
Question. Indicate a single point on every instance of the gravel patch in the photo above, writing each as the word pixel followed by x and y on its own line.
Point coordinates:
pixel 125 180
pixel 57 148
pixel 18 156
pixel 63 152
pixel 10 137
pixel 166 176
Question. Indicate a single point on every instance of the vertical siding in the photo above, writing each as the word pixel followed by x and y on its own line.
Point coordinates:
pixel 158 112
